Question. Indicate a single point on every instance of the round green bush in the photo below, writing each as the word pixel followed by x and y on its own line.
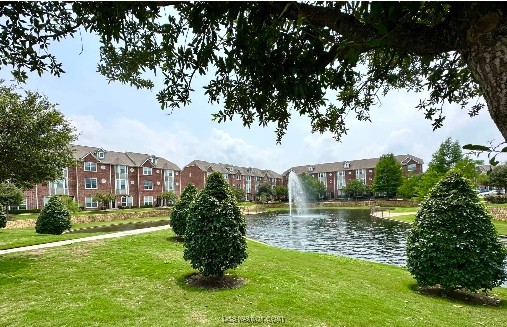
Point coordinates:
pixel 453 242
pixel 215 236
pixel 179 215
pixel 3 219
pixel 54 218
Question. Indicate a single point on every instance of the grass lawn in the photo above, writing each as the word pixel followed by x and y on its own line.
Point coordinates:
pixel 501 226
pixel 139 281
pixel 16 237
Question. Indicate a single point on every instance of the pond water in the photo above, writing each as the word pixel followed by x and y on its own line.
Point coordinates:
pixel 350 233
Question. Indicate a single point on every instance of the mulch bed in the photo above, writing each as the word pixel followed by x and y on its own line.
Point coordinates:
pixel 463 296
pixel 213 282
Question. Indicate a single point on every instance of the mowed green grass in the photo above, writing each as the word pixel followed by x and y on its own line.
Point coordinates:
pixel 17 237
pixel 139 281
pixel 501 226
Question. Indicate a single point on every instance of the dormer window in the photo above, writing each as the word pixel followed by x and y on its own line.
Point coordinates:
pixel 311 168
pixel 153 160
pixel 100 155
pixel 346 164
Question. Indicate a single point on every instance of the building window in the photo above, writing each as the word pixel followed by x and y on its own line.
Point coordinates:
pixel 147 170
pixel 90 166
pixel 126 201
pixel 90 183
pixel 22 206
pixel 411 167
pixel 100 155
pixel 168 180
pixel 238 177
pixel 148 200
pixel 322 178
pixel 148 185
pixel 89 203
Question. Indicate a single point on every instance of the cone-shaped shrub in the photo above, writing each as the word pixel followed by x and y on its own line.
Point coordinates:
pixel 215 236
pixel 3 219
pixel 453 242
pixel 54 218
pixel 179 215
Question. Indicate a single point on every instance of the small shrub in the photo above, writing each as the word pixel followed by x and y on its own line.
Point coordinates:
pixel 179 215
pixel 69 203
pixel 500 199
pixel 215 235
pixel 453 242
pixel 54 218
pixel 3 219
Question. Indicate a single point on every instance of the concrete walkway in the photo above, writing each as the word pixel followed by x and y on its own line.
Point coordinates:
pixel 388 214
pixel 85 239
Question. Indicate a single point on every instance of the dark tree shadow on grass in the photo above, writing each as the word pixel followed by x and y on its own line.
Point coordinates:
pixel 11 267
pixel 459 295
pixel 176 239
pixel 197 282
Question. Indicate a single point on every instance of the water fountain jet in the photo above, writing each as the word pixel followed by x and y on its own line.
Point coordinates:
pixel 296 195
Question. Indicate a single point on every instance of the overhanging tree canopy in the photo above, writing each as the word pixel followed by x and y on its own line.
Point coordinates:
pixel 275 59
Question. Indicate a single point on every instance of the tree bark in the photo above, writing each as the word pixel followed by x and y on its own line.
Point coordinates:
pixel 486 57
pixel 488 64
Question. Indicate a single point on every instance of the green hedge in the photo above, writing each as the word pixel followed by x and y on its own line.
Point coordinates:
pixel 17 212
pixel 496 198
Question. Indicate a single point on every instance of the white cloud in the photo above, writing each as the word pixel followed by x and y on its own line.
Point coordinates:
pixel 177 145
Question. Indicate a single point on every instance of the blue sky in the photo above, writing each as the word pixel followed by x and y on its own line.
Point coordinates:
pixel 122 118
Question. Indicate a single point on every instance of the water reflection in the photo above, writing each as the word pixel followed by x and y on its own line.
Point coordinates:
pixel 351 233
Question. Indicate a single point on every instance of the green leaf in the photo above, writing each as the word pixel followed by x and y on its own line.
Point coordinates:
pixel 477 147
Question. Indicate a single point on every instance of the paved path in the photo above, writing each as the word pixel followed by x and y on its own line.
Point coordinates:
pixel 85 239
pixel 388 214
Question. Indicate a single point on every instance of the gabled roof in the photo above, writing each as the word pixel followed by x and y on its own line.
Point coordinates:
pixel 353 164
pixel 231 169
pixel 271 174
pixel 130 159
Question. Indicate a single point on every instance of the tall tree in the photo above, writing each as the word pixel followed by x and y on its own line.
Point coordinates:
pixel 281 192
pixel 265 189
pixel 355 188
pixel 446 157
pixel 313 188
pixel 498 177
pixel 273 59
pixel 10 195
pixel 388 175
pixel 408 187
pixel 34 139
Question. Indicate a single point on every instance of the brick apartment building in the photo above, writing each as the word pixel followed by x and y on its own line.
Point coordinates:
pixel 136 179
pixel 336 175
pixel 247 179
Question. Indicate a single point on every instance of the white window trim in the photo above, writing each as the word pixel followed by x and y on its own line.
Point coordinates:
pixel 91 188
pixel 145 170
pixel 144 186
pixel 94 204
pixel 145 198
pixel 89 162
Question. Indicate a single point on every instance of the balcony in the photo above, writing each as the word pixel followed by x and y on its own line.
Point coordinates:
pixel 59 191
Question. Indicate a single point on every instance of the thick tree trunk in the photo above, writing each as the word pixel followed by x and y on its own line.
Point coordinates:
pixel 487 59
pixel 489 66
